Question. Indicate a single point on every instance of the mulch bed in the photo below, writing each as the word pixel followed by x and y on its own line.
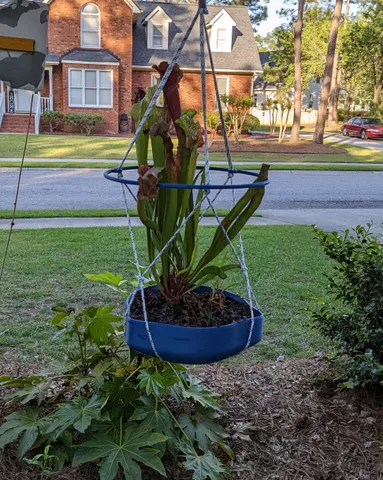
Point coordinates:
pixel 283 422
pixel 273 146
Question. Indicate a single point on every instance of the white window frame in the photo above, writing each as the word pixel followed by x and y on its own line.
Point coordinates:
pixel 97 88
pixel 83 14
pixel 226 93
pixel 164 26
pixel 219 48
pixel 153 79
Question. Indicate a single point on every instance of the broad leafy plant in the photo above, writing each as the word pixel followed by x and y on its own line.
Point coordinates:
pixel 182 266
pixel 352 316
pixel 106 404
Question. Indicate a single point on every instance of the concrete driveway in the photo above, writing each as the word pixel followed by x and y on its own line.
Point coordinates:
pixel 340 140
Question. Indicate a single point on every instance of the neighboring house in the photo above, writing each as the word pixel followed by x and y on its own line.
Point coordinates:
pixel 264 90
pixel 101 53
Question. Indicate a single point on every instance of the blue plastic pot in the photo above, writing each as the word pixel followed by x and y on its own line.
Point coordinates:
pixel 192 345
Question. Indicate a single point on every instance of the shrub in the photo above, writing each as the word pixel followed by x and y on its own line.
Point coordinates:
pixel 54 119
pixel 109 405
pixel 237 108
pixel 353 317
pixel 341 113
pixel 85 122
pixel 251 123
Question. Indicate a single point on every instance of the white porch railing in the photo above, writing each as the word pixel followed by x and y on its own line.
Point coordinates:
pixel 2 106
pixel 46 104
pixel 37 115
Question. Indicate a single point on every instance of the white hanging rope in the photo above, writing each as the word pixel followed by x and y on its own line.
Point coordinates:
pixel 140 279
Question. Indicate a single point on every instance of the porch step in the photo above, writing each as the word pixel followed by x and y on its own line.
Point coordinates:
pixel 17 123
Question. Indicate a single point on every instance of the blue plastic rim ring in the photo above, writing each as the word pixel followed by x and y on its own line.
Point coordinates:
pixel 189 186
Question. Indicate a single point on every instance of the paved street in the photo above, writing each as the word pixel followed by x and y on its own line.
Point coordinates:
pixel 288 190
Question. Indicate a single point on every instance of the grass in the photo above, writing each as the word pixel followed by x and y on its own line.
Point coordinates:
pixel 336 167
pixel 46 267
pixel 94 213
pixel 60 146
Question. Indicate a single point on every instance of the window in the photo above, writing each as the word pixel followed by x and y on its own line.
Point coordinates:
pixel 90 26
pixel 90 88
pixel 311 101
pixel 221 39
pixel 155 79
pixel 157 38
pixel 223 89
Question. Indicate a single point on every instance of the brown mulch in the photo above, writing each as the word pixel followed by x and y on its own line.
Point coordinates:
pixel 298 148
pixel 283 422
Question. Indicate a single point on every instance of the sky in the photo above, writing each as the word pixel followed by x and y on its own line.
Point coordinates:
pixel 274 20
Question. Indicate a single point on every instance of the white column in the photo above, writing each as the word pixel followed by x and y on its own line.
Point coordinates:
pixel 1 87
pixel 50 71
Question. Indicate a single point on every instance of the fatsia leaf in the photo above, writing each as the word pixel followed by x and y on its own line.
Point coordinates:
pixel 38 391
pixel 154 382
pixel 106 277
pixel 120 390
pixel 202 428
pixel 24 422
pixel 156 419
pixel 78 413
pixel 99 324
pixel 133 449
pixel 201 395
pixel 204 467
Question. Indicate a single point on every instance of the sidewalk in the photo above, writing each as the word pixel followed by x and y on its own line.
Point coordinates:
pixel 116 163
pixel 327 219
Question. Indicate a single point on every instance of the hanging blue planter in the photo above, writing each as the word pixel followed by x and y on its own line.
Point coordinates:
pixel 193 346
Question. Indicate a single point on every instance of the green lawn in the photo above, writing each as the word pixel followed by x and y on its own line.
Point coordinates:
pixel 115 212
pixel 60 146
pixel 46 267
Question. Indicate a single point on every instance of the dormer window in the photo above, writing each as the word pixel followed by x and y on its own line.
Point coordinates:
pixel 158 36
pixel 221 32
pixel 90 26
pixel 221 39
pixel 157 29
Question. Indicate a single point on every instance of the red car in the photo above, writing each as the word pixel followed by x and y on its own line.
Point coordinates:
pixel 363 128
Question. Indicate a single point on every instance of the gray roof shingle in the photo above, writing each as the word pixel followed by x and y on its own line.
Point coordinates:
pixel 244 55
pixel 83 55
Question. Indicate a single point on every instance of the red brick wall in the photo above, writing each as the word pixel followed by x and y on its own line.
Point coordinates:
pixel 111 114
pixel 116 36
pixel 191 87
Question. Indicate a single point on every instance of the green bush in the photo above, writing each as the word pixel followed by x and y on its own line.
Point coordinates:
pixel 54 119
pixel 341 115
pixel 251 123
pixel 85 122
pixel 110 405
pixel 353 316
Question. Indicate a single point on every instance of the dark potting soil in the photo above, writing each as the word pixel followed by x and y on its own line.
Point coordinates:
pixel 193 310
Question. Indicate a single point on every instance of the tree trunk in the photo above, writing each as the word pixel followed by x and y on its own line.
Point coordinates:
pixel 325 93
pixel 347 104
pixel 377 94
pixel 333 103
pixel 298 27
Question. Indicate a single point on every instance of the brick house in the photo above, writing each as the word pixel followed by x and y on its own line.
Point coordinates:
pixel 102 52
